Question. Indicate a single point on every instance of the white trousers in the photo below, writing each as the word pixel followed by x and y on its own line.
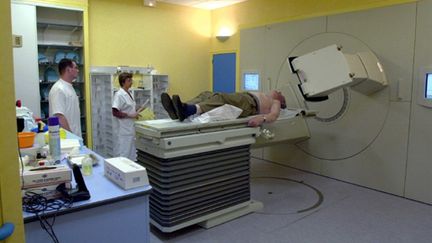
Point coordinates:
pixel 126 147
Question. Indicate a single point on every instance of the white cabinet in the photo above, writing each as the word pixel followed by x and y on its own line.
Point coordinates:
pixel 159 85
pixel 154 85
pixel 102 119
pixel 142 97
pixel 104 83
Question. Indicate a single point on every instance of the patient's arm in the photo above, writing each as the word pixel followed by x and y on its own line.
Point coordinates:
pixel 269 117
pixel 122 115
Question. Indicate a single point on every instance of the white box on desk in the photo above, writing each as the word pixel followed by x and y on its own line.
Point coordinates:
pixel 49 192
pixel 47 175
pixel 125 173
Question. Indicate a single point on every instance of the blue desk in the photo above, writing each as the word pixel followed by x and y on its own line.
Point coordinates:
pixel 110 215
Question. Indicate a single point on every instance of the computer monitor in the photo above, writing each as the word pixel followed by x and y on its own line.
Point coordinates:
pixel 424 91
pixel 251 81
pixel 428 86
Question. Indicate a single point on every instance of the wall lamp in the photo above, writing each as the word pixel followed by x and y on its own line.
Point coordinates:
pixel 224 34
pixel 150 3
pixel 222 38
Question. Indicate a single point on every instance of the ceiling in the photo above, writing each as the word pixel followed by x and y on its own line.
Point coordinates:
pixel 204 4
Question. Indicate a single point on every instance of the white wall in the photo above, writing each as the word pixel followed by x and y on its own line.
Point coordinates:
pixel 25 59
pixel 380 141
pixel 419 164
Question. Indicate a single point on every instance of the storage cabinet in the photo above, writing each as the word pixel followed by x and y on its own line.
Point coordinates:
pixel 141 96
pixel 159 85
pixel 155 84
pixel 102 119
pixel 146 91
pixel 59 35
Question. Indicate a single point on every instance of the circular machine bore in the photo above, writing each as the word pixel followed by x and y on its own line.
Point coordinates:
pixel 349 121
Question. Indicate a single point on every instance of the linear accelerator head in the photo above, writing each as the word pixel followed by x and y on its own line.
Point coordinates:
pixel 326 70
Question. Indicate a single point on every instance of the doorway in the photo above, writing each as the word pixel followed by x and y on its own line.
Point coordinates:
pixel 224 72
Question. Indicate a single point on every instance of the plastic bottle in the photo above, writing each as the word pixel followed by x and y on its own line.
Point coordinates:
pixel 40 136
pixel 54 138
pixel 87 165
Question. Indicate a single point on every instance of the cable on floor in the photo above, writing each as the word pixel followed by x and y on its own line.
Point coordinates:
pixel 318 192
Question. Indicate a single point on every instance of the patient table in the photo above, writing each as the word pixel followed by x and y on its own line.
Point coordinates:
pixel 200 171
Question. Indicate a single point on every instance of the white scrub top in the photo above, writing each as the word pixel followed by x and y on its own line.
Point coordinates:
pixel 124 128
pixel 64 100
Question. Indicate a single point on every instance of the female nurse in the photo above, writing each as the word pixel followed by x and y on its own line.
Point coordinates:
pixel 125 113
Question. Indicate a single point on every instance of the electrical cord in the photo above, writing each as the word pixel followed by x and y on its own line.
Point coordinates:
pixel 39 205
pixel 319 194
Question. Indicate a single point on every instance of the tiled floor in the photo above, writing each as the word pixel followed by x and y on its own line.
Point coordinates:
pixel 294 212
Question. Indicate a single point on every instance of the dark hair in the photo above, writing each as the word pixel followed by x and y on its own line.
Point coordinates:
pixel 63 64
pixel 123 77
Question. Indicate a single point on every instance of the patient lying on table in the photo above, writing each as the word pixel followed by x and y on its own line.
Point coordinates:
pixel 266 106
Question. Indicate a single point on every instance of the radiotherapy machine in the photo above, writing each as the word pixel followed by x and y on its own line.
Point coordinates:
pixel 323 71
pixel 200 172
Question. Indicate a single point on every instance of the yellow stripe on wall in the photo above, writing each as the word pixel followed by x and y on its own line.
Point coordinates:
pixel 60 3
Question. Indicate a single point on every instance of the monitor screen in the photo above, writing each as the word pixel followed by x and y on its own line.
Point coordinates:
pixel 251 81
pixel 428 88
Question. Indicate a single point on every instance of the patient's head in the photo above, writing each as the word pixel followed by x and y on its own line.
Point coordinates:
pixel 277 95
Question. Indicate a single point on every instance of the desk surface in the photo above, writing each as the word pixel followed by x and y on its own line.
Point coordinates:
pixel 102 191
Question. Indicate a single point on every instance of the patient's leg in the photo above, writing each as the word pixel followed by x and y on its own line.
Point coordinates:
pixel 183 110
pixel 203 96
pixel 240 100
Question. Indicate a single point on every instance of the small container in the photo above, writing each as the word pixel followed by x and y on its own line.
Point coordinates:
pixel 40 139
pixel 40 133
pixel 87 165
pixel 26 139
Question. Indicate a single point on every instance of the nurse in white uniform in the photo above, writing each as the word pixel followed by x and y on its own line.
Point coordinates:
pixel 125 113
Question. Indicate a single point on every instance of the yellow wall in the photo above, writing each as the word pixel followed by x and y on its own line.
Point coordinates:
pixel 173 39
pixel 10 196
pixel 253 13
